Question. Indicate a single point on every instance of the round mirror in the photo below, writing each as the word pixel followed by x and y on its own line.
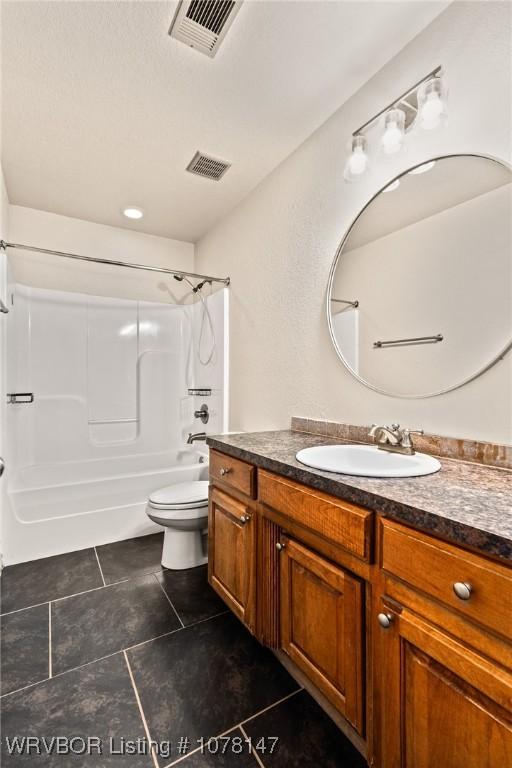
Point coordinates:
pixel 420 292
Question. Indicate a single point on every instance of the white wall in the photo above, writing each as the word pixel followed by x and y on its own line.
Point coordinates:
pixel 49 230
pixel 278 244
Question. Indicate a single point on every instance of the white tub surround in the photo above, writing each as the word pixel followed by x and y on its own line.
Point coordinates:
pixel 110 416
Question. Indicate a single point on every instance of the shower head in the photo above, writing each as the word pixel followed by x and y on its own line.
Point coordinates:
pixel 200 285
pixel 180 277
pixel 196 288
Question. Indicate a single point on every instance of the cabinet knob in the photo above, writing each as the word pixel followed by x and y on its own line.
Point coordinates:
pixel 279 546
pixel 385 620
pixel 462 590
pixel 245 519
pixel 224 471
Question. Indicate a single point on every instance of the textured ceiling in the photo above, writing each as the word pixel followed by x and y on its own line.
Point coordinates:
pixel 102 108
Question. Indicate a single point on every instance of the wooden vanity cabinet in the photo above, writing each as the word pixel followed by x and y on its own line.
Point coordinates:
pixel 444 679
pixel 441 703
pixel 321 611
pixel 232 559
pixel 407 637
pixel 282 564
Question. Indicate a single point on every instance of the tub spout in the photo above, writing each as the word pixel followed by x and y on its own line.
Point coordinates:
pixel 197 436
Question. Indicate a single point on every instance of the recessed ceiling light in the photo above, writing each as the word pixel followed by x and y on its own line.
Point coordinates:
pixel 394 185
pixel 131 212
pixel 423 168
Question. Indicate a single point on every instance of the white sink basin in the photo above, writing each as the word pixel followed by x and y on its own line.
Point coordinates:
pixel 367 461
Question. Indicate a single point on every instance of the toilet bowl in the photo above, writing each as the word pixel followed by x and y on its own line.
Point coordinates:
pixel 182 510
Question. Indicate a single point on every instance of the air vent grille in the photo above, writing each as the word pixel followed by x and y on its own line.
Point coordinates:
pixel 206 166
pixel 210 14
pixel 202 24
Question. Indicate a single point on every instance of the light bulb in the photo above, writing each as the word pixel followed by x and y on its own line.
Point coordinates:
pixel 431 112
pixel 431 104
pixel 357 162
pixel 394 130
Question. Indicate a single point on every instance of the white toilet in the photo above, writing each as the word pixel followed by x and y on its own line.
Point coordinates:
pixel 182 509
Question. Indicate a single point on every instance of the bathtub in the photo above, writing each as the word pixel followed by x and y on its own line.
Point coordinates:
pixel 56 508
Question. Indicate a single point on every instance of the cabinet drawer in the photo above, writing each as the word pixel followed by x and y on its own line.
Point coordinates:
pixel 435 567
pixel 337 521
pixel 234 473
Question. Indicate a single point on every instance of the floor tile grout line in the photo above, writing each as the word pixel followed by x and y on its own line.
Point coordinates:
pixel 99 566
pixel 110 655
pixel 141 711
pixel 234 727
pixel 26 608
pixel 253 752
pixel 208 618
pixel 26 687
pixel 84 591
pixel 197 749
pixel 270 706
pixel 184 757
pixel 65 597
pixel 169 599
pixel 50 670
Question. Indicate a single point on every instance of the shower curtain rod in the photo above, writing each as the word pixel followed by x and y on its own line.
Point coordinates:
pixel 110 262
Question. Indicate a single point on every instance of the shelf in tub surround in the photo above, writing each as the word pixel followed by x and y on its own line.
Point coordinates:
pixel 467 503
pixel 200 391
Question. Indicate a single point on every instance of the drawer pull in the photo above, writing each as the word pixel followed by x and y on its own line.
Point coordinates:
pixel 385 620
pixel 224 471
pixel 245 519
pixel 279 546
pixel 462 590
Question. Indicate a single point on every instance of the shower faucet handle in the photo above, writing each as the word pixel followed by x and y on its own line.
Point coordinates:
pixel 202 414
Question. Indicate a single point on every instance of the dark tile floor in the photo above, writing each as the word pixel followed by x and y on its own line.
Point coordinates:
pixel 105 645
pixel 130 558
pixel 306 737
pixel 48 579
pixel 25 638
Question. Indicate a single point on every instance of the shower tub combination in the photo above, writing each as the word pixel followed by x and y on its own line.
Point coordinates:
pixel 83 504
pixel 110 416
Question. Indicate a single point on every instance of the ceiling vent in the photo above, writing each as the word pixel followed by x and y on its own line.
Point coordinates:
pixel 203 24
pixel 206 166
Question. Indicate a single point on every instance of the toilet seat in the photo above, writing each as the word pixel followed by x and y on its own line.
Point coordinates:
pixel 166 513
pixel 182 510
pixel 180 496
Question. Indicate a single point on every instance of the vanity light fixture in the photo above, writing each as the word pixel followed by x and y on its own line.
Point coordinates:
pixel 132 212
pixel 423 168
pixel 431 103
pixel 394 131
pixel 423 105
pixel 357 161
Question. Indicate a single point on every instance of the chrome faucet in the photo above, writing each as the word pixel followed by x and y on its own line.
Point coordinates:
pixel 394 438
pixel 202 413
pixel 197 436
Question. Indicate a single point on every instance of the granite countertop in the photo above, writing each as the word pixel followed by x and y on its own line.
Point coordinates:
pixel 468 504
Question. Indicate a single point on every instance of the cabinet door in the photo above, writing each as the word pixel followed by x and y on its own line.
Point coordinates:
pixel 440 703
pixel 231 554
pixel 321 615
